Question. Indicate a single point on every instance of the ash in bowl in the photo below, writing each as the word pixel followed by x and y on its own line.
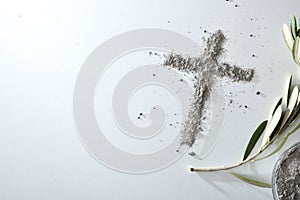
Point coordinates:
pixel 286 175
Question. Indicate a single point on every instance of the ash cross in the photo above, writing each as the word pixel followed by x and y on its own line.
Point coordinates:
pixel 206 68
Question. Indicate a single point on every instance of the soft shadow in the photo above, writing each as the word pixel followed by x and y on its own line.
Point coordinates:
pixel 214 178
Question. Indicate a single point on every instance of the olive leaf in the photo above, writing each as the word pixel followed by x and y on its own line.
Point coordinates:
pixel 293 99
pixel 279 102
pixel 277 129
pixel 250 181
pixel 287 35
pixel 298 100
pixel 296 50
pixel 285 119
pixel 289 90
pixel 273 124
pixel 254 138
pixel 293 26
pixel 292 103
pixel 296 114
pixel 294 107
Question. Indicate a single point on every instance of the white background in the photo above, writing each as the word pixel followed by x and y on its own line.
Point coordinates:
pixel 42 47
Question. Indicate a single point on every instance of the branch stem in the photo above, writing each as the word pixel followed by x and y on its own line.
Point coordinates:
pixel 251 159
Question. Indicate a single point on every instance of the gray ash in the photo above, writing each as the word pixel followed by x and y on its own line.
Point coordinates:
pixel 286 175
pixel 235 73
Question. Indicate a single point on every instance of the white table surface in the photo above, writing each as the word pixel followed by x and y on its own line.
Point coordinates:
pixel 43 45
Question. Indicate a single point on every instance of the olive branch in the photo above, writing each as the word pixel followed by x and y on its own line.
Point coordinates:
pixel 282 122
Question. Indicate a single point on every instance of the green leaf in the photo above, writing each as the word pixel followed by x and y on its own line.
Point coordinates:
pixel 272 126
pixel 277 129
pixel 296 114
pixel 287 35
pixel 293 100
pixel 293 26
pixel 254 138
pixel 292 104
pixel 298 100
pixel 284 122
pixel 293 117
pixel 250 181
pixel 278 104
pixel 289 90
pixel 296 50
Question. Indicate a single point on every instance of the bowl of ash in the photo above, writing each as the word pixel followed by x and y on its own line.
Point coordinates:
pixel 286 175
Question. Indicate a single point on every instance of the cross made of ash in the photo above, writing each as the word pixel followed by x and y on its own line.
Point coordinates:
pixel 206 69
